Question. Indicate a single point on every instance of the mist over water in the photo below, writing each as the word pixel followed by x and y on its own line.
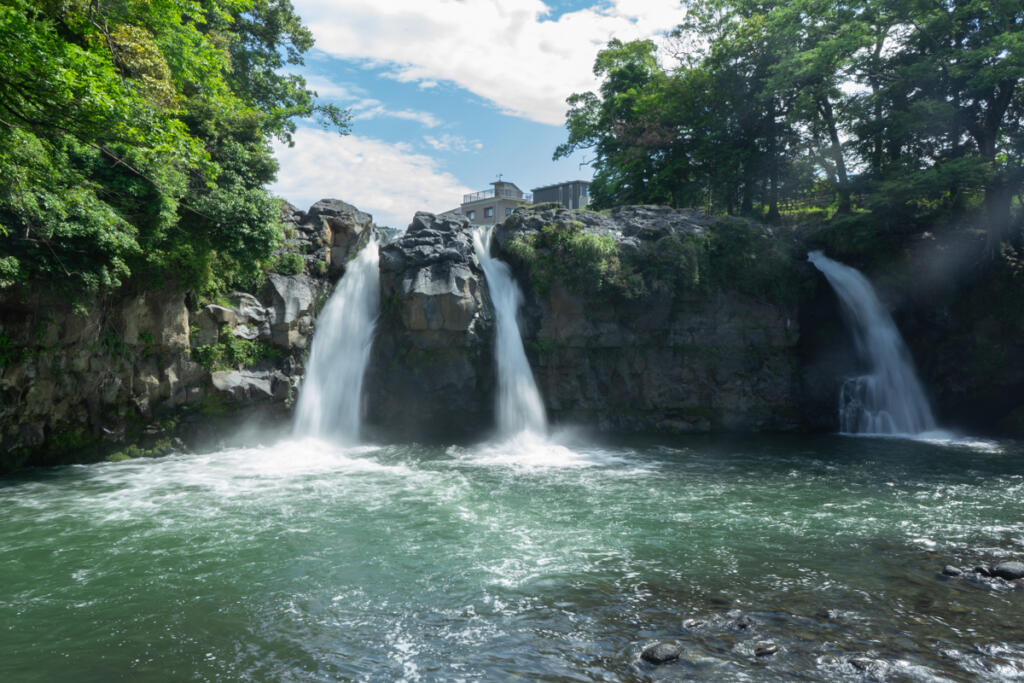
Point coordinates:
pixel 330 399
pixel 519 405
pixel 889 400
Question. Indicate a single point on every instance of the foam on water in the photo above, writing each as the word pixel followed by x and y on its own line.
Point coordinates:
pixel 528 451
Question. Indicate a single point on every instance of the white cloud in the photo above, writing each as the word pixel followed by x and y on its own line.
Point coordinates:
pixel 372 109
pixel 387 180
pixel 363 107
pixel 452 143
pixel 502 50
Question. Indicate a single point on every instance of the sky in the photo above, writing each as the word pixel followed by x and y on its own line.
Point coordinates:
pixel 445 95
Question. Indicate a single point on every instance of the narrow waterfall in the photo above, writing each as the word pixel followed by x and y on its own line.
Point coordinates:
pixel 520 408
pixel 890 399
pixel 330 401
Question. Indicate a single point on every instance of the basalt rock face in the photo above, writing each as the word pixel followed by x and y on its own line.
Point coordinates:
pixel 146 371
pixel 431 372
pixel 662 358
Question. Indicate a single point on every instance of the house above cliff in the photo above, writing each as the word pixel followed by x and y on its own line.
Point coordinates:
pixel 488 207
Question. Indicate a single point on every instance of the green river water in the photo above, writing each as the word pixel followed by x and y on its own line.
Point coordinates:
pixel 528 561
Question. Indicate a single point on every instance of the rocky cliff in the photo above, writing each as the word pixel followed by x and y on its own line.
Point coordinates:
pixel 431 373
pixel 145 372
pixel 633 322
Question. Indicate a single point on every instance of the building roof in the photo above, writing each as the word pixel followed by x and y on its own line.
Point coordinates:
pixel 567 182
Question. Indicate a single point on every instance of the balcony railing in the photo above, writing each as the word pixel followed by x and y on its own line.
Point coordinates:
pixel 504 194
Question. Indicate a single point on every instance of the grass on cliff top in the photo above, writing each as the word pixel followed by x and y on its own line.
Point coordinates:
pixel 732 255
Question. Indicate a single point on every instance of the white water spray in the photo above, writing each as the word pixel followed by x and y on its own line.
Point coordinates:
pixel 889 400
pixel 520 408
pixel 330 401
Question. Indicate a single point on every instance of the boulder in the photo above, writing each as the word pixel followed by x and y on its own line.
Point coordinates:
pixel 661 653
pixel 343 228
pixel 1009 570
pixel 244 385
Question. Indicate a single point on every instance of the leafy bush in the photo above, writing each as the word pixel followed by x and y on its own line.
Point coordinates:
pixel 233 352
pixel 583 261
pixel 288 263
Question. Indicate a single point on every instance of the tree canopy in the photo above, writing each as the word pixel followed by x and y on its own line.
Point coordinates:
pixel 135 138
pixel 914 107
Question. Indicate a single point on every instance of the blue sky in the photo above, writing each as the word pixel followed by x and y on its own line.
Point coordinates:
pixel 446 94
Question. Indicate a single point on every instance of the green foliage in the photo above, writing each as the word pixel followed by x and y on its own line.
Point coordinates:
pixel 585 262
pixel 732 255
pixel 289 263
pixel 746 258
pixel 758 112
pixel 134 139
pixel 233 352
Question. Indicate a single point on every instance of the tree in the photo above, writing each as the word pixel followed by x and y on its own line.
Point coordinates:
pixel 135 137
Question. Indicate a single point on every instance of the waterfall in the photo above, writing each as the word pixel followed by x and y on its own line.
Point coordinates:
pixel 330 401
pixel 890 399
pixel 519 405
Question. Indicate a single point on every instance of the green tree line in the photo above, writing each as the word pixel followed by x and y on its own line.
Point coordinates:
pixel 135 139
pixel 907 108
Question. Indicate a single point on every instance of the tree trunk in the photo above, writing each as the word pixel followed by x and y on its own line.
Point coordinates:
pixel 836 150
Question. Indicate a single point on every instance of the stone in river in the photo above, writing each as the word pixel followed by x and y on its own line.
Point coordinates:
pixel 950 570
pixel 1009 570
pixel 765 649
pixel 983 570
pixel 661 653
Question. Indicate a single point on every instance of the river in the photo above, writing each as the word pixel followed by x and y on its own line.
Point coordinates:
pixel 534 560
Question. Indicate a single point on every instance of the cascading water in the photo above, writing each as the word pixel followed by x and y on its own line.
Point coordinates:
pixel 520 408
pixel 890 399
pixel 331 397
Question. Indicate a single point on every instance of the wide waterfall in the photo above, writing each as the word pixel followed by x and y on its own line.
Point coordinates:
pixel 520 408
pixel 889 399
pixel 330 401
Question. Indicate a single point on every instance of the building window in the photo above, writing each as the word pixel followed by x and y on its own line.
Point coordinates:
pixel 508 211
pixel 489 212
pixel 471 215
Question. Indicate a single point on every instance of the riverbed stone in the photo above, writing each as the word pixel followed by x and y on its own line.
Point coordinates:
pixel 950 570
pixel 1009 570
pixel 661 653
pixel 765 649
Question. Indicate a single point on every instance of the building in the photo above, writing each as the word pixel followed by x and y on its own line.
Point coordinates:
pixel 488 207
pixel 573 194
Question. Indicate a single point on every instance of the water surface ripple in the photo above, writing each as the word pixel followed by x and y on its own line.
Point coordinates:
pixel 531 560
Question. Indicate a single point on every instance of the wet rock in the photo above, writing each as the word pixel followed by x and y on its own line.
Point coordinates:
pixel 693 623
pixel 765 649
pixel 866 663
pixel 1009 570
pixel 950 570
pixel 983 569
pixel 740 621
pixel 661 653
